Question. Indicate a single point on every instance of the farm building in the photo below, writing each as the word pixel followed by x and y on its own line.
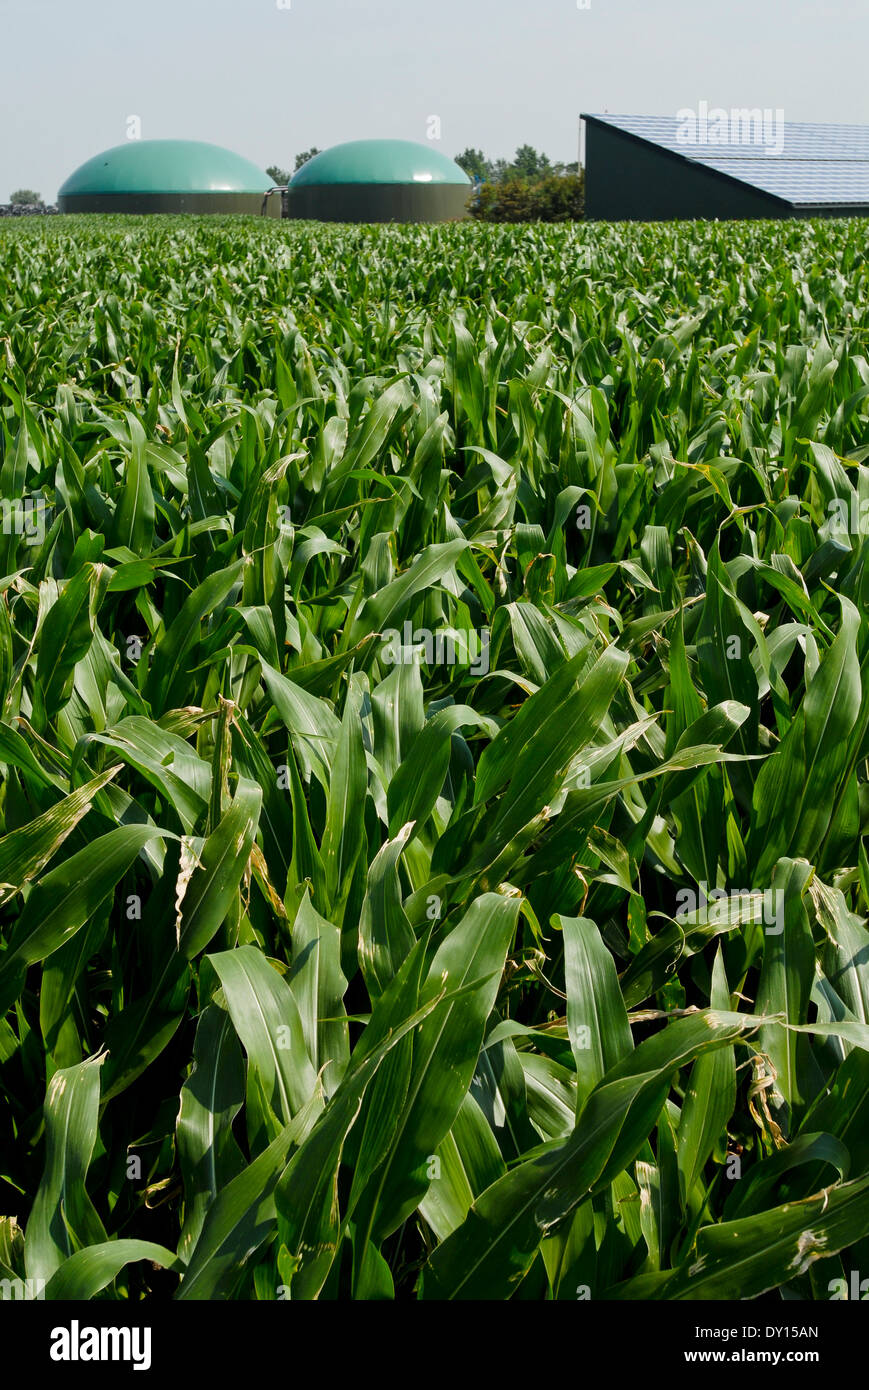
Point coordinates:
pixel 723 164
pixel 167 176
pixel 380 181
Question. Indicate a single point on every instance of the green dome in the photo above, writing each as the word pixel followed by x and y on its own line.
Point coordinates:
pixel 165 167
pixel 380 162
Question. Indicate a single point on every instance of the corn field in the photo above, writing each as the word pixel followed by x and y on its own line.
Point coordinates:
pixel 434 720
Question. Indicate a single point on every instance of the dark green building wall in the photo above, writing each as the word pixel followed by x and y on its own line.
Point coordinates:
pixel 248 203
pixel 628 179
pixel 371 202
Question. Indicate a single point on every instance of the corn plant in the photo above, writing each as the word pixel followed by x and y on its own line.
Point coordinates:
pixel 434 719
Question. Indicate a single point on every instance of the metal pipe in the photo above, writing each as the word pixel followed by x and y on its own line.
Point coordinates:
pixel 268 194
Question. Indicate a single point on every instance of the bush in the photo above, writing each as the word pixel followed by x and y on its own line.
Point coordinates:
pixel 555 198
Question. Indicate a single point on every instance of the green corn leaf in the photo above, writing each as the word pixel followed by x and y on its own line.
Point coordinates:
pixel 710 1096
pixel 597 1019
pixel 211 1097
pixel 64 1218
pixel 267 1020
pixel 207 896
pixel 86 1273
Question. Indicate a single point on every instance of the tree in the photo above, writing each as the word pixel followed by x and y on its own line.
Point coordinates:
pixel 528 164
pixel 22 197
pixel 474 163
pixel 279 176
pixel 305 156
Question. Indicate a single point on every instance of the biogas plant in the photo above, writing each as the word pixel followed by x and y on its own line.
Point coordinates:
pixel 167 176
pixel 362 181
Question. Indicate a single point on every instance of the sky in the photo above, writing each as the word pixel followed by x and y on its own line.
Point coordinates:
pixel 270 78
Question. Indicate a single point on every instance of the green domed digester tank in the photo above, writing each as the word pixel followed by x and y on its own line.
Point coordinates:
pixel 380 181
pixel 168 176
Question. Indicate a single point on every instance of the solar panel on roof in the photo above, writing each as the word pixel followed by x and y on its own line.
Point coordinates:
pixel 805 163
pixel 802 181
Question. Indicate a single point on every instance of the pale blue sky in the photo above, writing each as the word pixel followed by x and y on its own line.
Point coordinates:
pixel 269 81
